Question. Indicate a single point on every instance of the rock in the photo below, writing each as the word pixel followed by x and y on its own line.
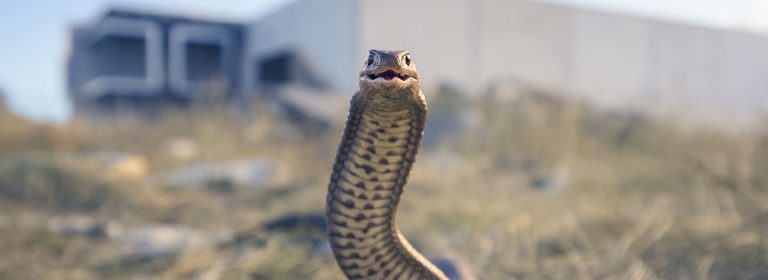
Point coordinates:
pixel 159 240
pixel 79 225
pixel 128 167
pixel 182 149
pixel 316 110
pixel 121 165
pixel 557 180
pixel 322 248
pixel 445 160
pixel 248 172
pixel 454 268
pixel 307 228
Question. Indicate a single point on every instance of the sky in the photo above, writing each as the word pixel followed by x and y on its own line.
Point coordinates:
pixel 35 34
pixel 749 15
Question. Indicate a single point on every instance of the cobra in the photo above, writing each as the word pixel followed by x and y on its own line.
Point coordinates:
pixel 378 147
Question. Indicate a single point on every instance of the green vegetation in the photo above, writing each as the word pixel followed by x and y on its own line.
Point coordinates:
pixel 535 187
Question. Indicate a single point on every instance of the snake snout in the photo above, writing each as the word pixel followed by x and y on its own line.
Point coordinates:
pixel 388 75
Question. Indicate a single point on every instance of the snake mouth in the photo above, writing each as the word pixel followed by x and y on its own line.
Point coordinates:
pixel 388 75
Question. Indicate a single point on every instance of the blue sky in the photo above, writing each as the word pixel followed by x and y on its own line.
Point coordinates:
pixel 35 34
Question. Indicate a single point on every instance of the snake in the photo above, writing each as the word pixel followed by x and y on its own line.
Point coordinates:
pixel 378 147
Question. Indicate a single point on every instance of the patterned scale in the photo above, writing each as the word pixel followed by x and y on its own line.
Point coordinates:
pixel 377 150
pixel 375 156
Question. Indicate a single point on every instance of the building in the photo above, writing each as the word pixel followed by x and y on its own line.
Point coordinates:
pixel 610 59
pixel 607 58
pixel 127 60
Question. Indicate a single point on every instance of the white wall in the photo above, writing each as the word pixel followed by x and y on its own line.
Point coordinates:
pixel 435 32
pixel 610 59
pixel 745 72
pixel 625 61
pixel 322 32
pixel 685 70
pixel 522 41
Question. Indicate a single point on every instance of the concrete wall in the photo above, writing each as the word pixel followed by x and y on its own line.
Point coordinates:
pixel 116 56
pixel 620 60
pixel 322 33
pixel 611 59
pixel 137 54
pixel 436 32
pixel 203 59
pixel 522 41
pixel 673 68
pixel 744 71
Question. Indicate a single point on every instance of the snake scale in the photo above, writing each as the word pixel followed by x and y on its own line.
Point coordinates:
pixel 378 147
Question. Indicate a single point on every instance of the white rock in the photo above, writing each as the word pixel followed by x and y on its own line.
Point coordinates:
pixel 248 172
pixel 121 165
pixel 157 240
pixel 80 225
pixel 182 148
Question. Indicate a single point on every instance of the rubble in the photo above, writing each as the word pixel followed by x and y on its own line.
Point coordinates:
pixel 245 172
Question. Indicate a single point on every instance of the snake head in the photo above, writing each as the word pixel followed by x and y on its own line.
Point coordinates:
pixel 389 70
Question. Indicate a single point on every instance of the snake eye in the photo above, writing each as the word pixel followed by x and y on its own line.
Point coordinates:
pixel 369 62
pixel 407 59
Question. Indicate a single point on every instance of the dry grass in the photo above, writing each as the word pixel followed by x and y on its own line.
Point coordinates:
pixel 632 197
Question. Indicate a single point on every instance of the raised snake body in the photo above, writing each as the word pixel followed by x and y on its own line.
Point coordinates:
pixel 382 135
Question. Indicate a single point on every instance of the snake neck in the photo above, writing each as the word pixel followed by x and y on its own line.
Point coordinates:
pixel 375 155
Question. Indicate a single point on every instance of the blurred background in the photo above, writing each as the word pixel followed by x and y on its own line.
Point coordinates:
pixel 576 139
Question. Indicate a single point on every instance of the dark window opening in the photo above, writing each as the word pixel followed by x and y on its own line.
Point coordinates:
pixel 275 70
pixel 203 62
pixel 118 55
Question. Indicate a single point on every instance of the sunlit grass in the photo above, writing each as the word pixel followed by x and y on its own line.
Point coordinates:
pixel 640 198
